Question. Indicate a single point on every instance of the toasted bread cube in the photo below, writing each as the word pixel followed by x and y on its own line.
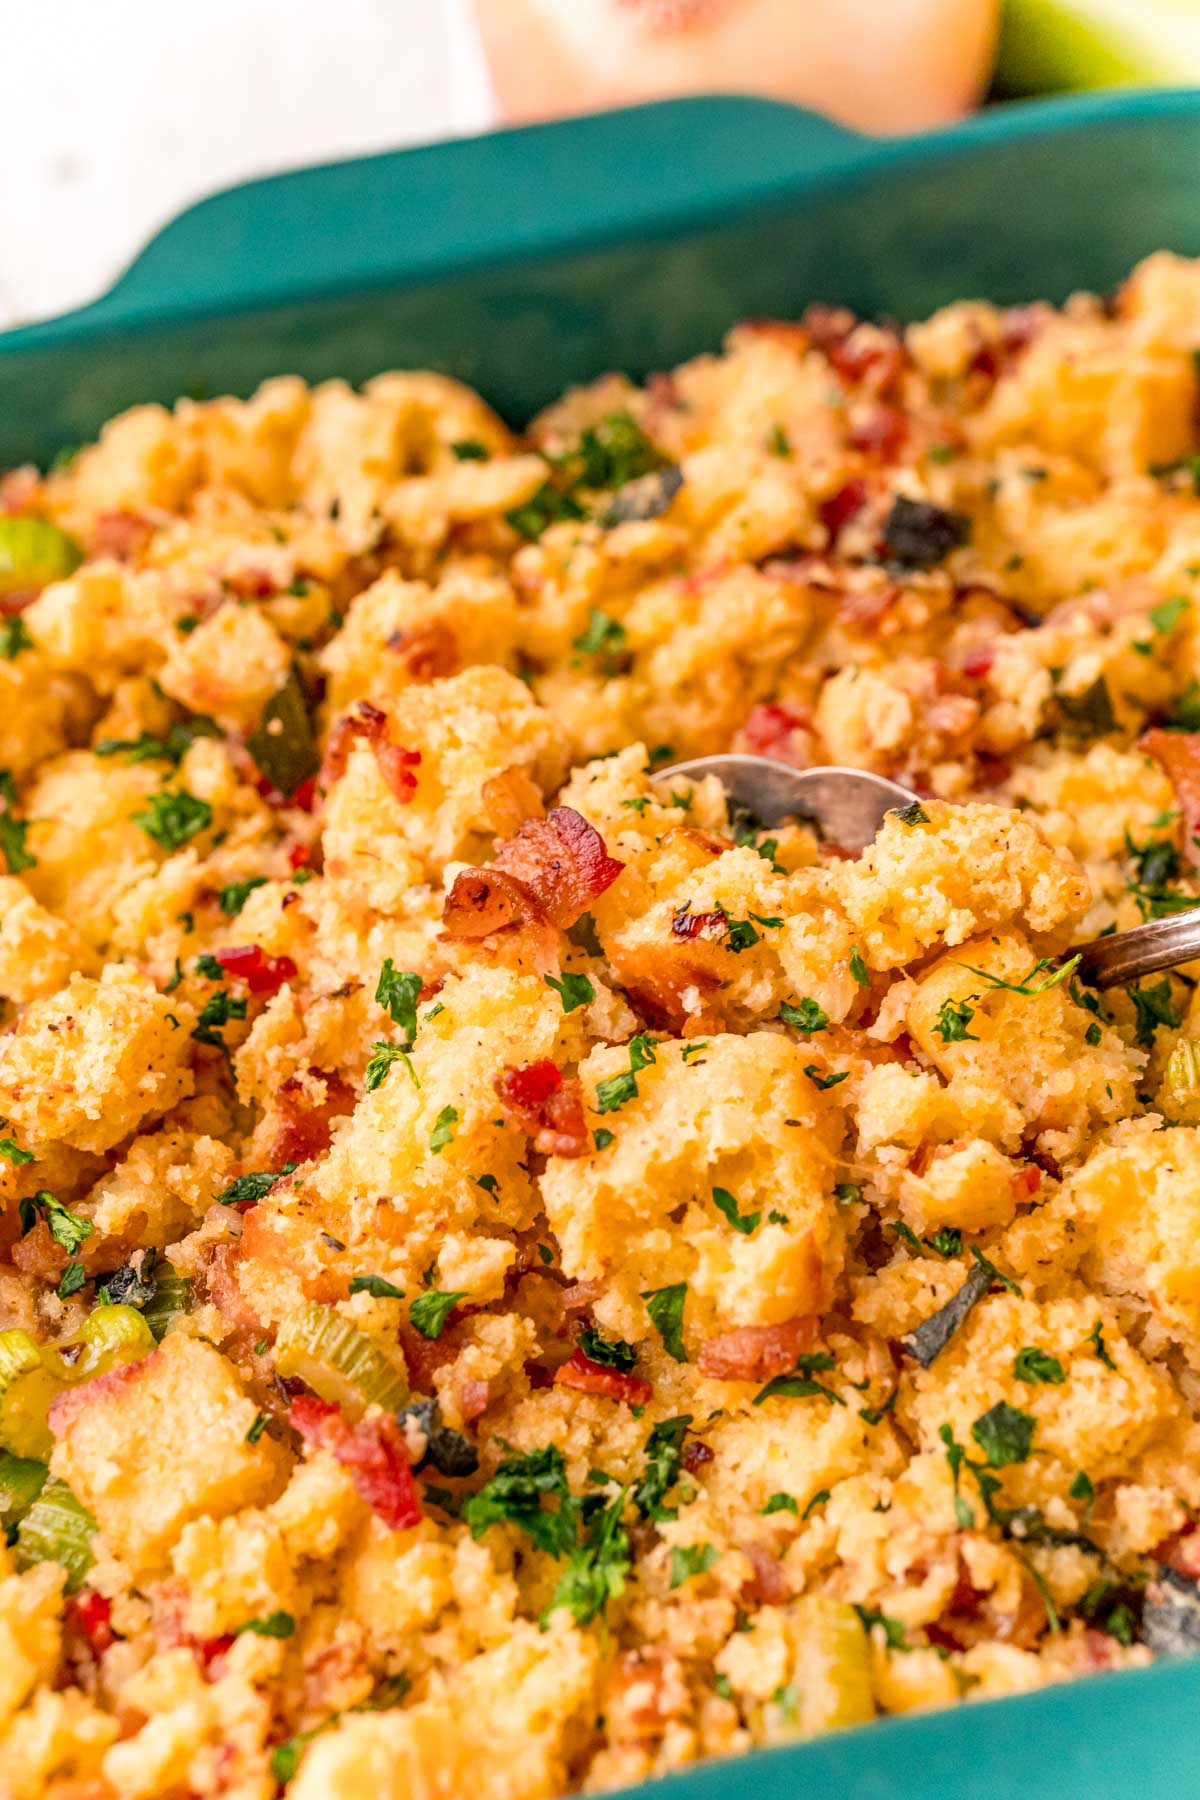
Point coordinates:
pixel 159 1442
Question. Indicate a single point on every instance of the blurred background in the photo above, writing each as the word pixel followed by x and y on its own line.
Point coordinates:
pixel 117 115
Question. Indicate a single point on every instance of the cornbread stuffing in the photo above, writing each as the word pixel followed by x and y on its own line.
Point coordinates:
pixel 515 1276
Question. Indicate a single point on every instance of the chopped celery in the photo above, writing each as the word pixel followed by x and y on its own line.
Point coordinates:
pixel 1046 45
pixel 1179 1091
pixel 338 1361
pixel 172 1296
pixel 829 1681
pixel 27 1386
pixel 57 1529
pixel 33 552
pixel 21 1481
pixel 110 1335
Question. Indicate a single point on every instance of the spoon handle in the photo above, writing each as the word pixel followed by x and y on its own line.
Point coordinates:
pixel 1128 955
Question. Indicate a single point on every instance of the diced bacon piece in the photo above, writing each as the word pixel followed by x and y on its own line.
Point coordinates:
pixel 688 925
pixel 579 1371
pixel 425 1356
pixel 778 732
pixel 297 1127
pixel 977 664
pixel 880 431
pixel 767 1586
pixel 828 326
pixel 1178 753
pixel 120 534
pixel 563 862
pixel 869 356
pixel 843 505
pixel 426 652
pixel 250 963
pixel 1026 1181
pixel 90 1615
pixel 546 1106
pixel 757 1352
pixel 509 799
pixel 250 584
pixel 373 1452
pixel 396 764
pixel 696 1453
pixel 473 1397
pixel 482 902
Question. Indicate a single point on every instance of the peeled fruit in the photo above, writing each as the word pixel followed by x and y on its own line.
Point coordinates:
pixel 880 65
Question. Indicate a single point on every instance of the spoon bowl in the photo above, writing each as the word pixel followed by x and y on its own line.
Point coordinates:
pixel 850 805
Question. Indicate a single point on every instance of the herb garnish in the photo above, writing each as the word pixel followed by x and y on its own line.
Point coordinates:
pixel 428 1312
pixel 806 1016
pixel 572 990
pixel 745 1223
pixel 1038 1367
pixel 610 1353
pixel 173 817
pixel 665 1307
pixel 66 1228
pixel 613 1092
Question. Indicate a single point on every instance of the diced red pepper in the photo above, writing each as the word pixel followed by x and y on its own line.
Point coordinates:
pixel 842 506
pixel 579 1371
pixel 250 963
pixel 90 1614
pixel 373 1452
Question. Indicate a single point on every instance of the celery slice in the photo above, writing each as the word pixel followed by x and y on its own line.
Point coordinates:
pixel 57 1528
pixel 1049 45
pixel 27 1386
pixel 172 1296
pixel 34 552
pixel 21 1481
pixel 336 1360
pixel 110 1335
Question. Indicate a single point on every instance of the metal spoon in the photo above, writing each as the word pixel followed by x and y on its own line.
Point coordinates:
pixel 849 806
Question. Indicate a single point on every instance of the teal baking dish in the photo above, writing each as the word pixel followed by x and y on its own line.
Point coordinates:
pixel 527 260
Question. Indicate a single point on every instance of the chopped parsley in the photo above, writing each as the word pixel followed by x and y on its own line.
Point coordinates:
pixel 1096 1340
pixel 893 1629
pixel 818 1499
pixel 691 1559
pixel 12 834
pixel 602 1137
pixel 399 992
pixel 252 1187
pixel 800 1385
pixel 846 1193
pixel 428 1312
pixel 604 637
pixel 1038 1367
pixel 443 1129
pixel 71 1280
pixel 664 1458
pixel 257 1426
pixel 596 1569
pixel 66 1228
pixel 376 1285
pixel 544 508
pixel 824 1081
pixel 665 1307
pixel 1026 985
pixel 946 1241
pixel 745 1223
pixel 216 1012
pixel 781 1502
pixel 14 637
pixel 805 1016
pixel 1004 1434
pixel 913 814
pixel 1167 614
pixel 234 895
pixel 858 968
pixel 272 1625
pixel 954 1016
pixel 470 450
pixel 378 1068
pixel 572 990
pixel 173 817
pixel 12 1153
pixel 617 1089
pixel 172 748
pixel 610 1353
pixel 1153 1007
pixel 515 1496
pixel 778 442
